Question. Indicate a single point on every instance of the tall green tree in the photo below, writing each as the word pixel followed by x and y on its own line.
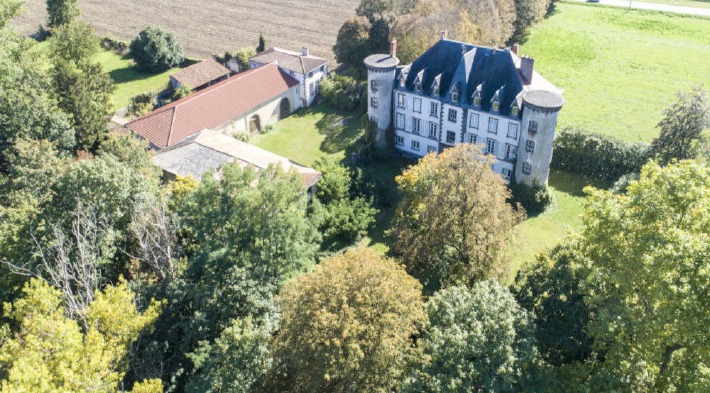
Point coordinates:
pixel 649 253
pixel 453 222
pixel 61 12
pixel 262 43
pixel 347 326
pixel 156 50
pixel 681 127
pixel 82 88
pixel 49 352
pixel 353 42
pixel 479 340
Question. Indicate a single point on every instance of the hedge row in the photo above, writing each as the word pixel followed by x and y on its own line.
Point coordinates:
pixel 597 156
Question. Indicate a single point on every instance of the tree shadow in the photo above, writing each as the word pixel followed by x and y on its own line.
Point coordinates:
pixel 573 184
pixel 341 130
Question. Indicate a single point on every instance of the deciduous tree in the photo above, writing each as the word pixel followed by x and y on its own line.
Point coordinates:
pixel 156 50
pixel 348 326
pixel 61 12
pixel 479 340
pixel 353 42
pixel 453 223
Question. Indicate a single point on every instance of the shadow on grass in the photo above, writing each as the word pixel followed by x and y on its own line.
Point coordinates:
pixel 341 130
pixel 572 184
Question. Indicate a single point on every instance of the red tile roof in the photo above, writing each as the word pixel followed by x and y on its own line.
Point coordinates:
pixel 200 74
pixel 213 106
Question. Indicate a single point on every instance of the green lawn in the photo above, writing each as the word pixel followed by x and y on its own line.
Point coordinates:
pixel 130 82
pixel 619 68
pixel 310 134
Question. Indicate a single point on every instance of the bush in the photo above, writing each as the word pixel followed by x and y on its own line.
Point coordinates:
pixel 266 129
pixel 156 50
pixel 621 185
pixel 342 92
pixel 112 44
pixel 141 104
pixel 535 199
pixel 241 136
pixel 597 156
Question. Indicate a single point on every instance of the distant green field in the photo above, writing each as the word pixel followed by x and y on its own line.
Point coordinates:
pixel 619 68
pixel 130 82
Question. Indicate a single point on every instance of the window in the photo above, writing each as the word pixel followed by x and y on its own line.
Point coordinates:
pixel 373 85
pixel 415 145
pixel 415 125
pixel 418 105
pixel 400 121
pixel 400 101
pixel 373 102
pixel 512 130
pixel 495 106
pixel 477 101
pixel 417 86
pixel 493 125
pixel 472 138
pixel 527 168
pixel 507 173
pixel 473 121
pixel 491 146
pixel 431 149
pixel 450 137
pixel 509 152
pixel 401 82
pixel 399 140
pixel 453 115
pixel 455 95
pixel 532 127
pixel 514 111
pixel 530 146
pixel 434 110
pixel 373 120
pixel 435 90
pixel 433 130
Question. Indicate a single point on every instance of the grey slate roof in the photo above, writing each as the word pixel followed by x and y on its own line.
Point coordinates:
pixel 467 66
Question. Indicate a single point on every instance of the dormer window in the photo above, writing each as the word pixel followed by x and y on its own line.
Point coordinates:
pixel 401 81
pixel 495 106
pixel 455 94
pixel 514 110
pixel 435 91
pixel 417 86
pixel 477 101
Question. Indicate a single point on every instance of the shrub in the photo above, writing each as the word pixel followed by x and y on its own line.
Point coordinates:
pixel 597 156
pixel 621 185
pixel 141 104
pixel 241 135
pixel 112 44
pixel 266 129
pixel 535 199
pixel 342 92
pixel 156 50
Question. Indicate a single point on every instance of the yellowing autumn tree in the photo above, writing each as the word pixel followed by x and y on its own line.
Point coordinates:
pixel 49 352
pixel 348 326
pixel 453 223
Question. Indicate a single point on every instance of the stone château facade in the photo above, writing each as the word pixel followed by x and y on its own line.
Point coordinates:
pixel 461 93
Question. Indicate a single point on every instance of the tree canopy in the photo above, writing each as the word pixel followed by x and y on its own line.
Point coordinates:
pixel 454 221
pixel 156 50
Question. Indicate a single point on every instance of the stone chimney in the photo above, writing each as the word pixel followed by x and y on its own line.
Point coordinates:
pixel 515 48
pixel 393 48
pixel 526 67
pixel 304 51
pixel 444 34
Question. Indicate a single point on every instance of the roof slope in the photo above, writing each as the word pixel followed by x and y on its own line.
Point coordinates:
pixel 289 60
pixel 201 73
pixel 207 150
pixel 213 106
pixel 467 66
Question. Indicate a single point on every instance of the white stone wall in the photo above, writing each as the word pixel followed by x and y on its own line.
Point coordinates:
pixel 539 159
pixel 307 83
pixel 382 113
pixel 268 113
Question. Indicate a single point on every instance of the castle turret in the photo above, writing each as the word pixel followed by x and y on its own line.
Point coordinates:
pixel 540 110
pixel 380 81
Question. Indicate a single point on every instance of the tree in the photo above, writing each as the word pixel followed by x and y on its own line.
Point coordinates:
pixel 156 50
pixel 384 9
pixel 648 281
pixel 9 9
pixel 262 44
pixel 453 222
pixel 74 41
pixel 238 358
pixel 50 352
pixel 681 127
pixel 61 12
pixel 348 326
pixel 342 214
pixel 479 340
pixel 527 13
pixel 353 42
pixel 549 289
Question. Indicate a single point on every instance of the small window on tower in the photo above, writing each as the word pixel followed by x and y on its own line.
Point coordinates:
pixel 532 127
pixel 373 85
pixel 530 146
pixel 373 102
pixel 527 168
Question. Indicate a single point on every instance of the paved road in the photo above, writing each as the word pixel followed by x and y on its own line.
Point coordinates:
pixel 656 7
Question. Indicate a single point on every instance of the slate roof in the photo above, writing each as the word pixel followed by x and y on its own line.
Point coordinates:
pixel 214 106
pixel 208 149
pixel 201 73
pixel 289 60
pixel 466 66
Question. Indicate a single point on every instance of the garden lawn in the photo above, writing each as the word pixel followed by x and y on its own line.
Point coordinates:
pixel 130 82
pixel 620 68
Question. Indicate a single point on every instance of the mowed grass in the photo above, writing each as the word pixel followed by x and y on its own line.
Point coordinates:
pixel 620 68
pixel 130 82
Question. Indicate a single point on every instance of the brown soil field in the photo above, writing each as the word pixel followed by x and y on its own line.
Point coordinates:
pixel 205 27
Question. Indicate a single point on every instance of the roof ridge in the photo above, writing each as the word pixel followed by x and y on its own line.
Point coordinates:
pixel 172 126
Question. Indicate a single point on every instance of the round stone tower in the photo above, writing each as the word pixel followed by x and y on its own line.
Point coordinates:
pixel 380 82
pixel 540 110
